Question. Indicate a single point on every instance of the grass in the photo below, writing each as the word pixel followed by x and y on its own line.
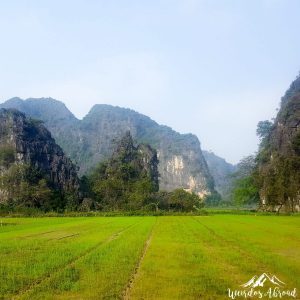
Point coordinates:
pixel 165 257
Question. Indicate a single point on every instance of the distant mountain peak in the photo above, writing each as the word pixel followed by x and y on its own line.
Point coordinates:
pixel 46 99
pixel 116 110
pixel 40 107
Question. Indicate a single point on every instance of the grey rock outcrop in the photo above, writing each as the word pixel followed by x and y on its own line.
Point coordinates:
pixel 33 144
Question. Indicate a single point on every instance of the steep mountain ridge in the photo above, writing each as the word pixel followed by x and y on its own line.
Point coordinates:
pixel 279 156
pixel 181 162
pixel 47 109
pixel 24 141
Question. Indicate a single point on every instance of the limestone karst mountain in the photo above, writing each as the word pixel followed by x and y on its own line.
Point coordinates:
pixel 90 140
pixel 279 155
pixel 26 142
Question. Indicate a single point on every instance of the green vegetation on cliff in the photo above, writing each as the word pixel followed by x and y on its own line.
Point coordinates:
pixel 278 172
pixel 273 177
pixel 128 179
pixel 34 172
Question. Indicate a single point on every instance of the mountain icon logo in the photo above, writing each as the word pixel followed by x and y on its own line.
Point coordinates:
pixel 261 280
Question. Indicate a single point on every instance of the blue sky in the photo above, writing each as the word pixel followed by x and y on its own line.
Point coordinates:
pixel 213 68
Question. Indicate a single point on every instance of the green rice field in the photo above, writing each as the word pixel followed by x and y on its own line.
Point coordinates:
pixel 166 257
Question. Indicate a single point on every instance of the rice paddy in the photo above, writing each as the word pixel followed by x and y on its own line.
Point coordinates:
pixel 170 257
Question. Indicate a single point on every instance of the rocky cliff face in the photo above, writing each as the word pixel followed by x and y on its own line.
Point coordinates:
pixel 221 171
pixel 62 124
pixel 181 162
pixel 287 123
pixel 279 156
pixel 182 165
pixel 32 144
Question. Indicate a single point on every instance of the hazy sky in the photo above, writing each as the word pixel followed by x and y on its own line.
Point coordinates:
pixel 213 68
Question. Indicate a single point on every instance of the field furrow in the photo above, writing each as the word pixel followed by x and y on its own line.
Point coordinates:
pixel 126 292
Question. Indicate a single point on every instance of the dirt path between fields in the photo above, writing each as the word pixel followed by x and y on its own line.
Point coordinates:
pixel 127 291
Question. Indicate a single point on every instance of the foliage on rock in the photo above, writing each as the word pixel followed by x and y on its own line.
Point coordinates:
pixel 278 159
pixel 128 179
pixel 34 171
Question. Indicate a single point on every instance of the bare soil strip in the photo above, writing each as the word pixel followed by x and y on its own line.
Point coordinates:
pixel 37 234
pixel 66 236
pixel 126 292
pixel 59 269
